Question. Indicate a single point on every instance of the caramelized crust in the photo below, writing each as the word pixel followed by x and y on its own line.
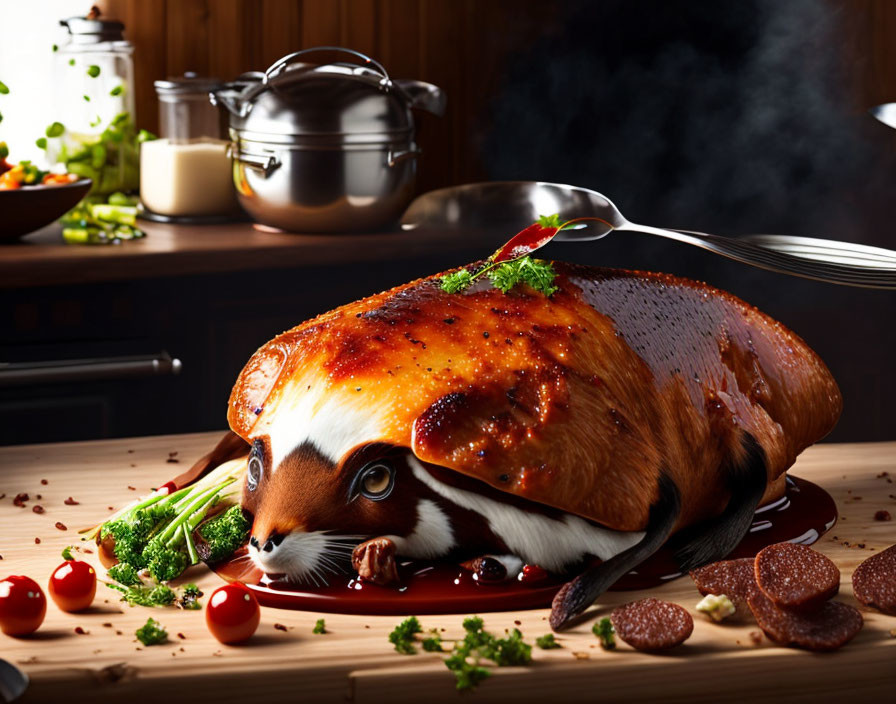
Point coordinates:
pixel 577 401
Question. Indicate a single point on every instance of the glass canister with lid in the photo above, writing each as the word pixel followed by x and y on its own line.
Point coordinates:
pixel 186 172
pixel 95 135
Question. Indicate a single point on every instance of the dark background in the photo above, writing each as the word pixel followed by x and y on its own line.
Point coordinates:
pixel 732 118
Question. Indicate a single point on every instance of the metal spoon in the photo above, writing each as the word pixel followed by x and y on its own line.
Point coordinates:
pixel 515 204
pixel 13 682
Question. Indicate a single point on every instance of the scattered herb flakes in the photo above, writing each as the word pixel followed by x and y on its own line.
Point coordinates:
pixel 433 644
pixel 117 90
pixel 547 642
pixel 537 273
pixel 605 633
pixel 152 633
pixel 71 502
pixel 93 70
pixel 320 626
pixel 456 281
pixel 67 553
pixel 4 89
pixel 53 130
pixel 61 526
pixel 403 635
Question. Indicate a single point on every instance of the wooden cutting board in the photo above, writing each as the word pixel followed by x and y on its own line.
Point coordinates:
pixel 354 661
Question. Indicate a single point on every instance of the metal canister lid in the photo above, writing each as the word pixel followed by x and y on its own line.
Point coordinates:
pixel 188 84
pixel 92 30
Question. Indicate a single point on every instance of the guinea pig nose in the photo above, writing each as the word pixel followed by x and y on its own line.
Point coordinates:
pixel 253 541
pixel 273 541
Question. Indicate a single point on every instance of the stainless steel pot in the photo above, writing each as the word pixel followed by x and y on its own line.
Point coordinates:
pixel 325 147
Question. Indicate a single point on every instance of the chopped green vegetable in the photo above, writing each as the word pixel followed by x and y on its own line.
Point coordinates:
pixel 93 70
pixel 41 143
pixel 456 281
pixel 145 136
pixel 319 627
pixel 537 273
pixel 547 642
pixel 466 675
pixel 55 130
pixel 605 632
pixel 511 651
pixel 433 644
pixel 1 117
pixel 478 644
pixel 549 220
pixel 117 90
pixel 4 150
pixel 55 47
pixel 403 635
pixel 67 553
pixel 86 98
pixel 71 62
pixel 189 598
pixel 152 633
pixel 224 533
pixel 3 88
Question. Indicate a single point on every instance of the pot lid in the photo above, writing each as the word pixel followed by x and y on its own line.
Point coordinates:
pixel 297 98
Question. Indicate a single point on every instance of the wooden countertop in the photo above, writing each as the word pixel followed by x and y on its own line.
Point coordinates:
pixel 354 662
pixel 43 259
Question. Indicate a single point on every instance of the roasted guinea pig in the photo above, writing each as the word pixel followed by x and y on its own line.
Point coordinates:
pixel 625 410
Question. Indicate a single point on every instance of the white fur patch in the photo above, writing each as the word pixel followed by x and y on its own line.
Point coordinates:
pixel 306 557
pixel 538 539
pixel 333 422
pixel 432 535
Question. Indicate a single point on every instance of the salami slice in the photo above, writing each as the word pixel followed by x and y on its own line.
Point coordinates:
pixel 874 581
pixel 651 624
pixel 796 576
pixel 828 628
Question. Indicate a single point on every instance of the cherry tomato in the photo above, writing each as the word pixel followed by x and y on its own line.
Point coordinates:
pixel 232 613
pixel 73 585
pixel 22 606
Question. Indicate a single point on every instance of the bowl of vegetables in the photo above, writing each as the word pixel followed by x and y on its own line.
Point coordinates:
pixel 31 198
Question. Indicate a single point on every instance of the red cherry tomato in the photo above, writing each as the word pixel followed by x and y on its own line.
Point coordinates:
pixel 73 585
pixel 22 606
pixel 232 613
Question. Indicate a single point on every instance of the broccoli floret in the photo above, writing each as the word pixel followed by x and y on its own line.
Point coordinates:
pixel 164 563
pixel 225 533
pixel 547 642
pixel 433 644
pixel 189 598
pixel 125 574
pixel 152 633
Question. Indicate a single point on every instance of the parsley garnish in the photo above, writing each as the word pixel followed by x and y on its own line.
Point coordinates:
pixel 320 626
pixel 152 633
pixel 547 642
pixel 549 220
pixel 605 632
pixel 403 635
pixel 433 644
pixel 67 553
pixel 537 273
pixel 456 281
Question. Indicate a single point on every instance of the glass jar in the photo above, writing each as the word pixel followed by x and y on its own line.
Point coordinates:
pixel 186 173
pixel 95 102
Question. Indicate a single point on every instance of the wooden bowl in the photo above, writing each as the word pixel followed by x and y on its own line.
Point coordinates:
pixel 32 207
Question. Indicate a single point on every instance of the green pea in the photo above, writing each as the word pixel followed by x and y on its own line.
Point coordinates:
pixel 117 90
pixel 71 62
pixel 93 71
pixel 55 130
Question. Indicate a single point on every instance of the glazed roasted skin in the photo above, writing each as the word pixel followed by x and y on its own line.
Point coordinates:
pixel 578 401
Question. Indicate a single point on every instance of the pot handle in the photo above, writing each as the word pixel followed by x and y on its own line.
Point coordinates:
pixel 395 157
pixel 282 63
pixel 424 96
pixel 257 162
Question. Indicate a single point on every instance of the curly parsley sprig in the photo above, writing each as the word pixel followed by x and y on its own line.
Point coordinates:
pixel 537 273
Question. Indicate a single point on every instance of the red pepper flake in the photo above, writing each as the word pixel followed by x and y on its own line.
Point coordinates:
pixel 181 636
pixel 280 627
pixel 118 633
pixel 87 550
pixel 107 625
pixel 883 516
pixel 132 488
pixel 1 557
pixel 517 623
pixel 38 497
pixel 3 496
pixel 130 452
pixel 44 482
pixel 61 526
pixel 20 500
pixel 37 508
pixel 37 541
pixel 71 502
pixel 80 631
pixel 111 508
pixel 172 454
pixel 172 460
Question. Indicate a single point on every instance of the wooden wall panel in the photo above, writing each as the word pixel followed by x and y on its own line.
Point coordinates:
pixel 464 46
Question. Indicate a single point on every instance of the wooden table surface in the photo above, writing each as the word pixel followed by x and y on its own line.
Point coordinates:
pixel 43 259
pixel 354 662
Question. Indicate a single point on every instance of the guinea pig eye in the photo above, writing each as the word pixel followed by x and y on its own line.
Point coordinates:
pixel 253 474
pixel 375 480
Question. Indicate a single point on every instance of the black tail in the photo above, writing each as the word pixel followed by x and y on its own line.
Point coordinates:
pixel 577 595
pixel 712 540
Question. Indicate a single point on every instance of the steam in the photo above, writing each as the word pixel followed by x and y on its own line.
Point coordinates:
pixel 725 117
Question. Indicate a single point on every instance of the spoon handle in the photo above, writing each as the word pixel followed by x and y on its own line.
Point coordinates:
pixel 845 269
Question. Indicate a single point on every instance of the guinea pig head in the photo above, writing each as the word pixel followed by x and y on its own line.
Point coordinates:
pixel 310 512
